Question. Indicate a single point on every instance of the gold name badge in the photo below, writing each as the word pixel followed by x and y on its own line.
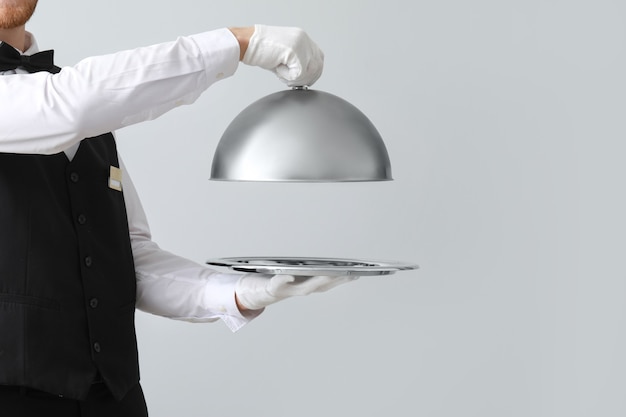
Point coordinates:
pixel 115 178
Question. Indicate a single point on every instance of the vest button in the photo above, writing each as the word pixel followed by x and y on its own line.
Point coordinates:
pixel 74 177
pixel 93 303
pixel 82 219
pixel 96 347
pixel 88 261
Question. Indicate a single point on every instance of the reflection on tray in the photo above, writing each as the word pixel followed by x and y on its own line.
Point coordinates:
pixel 306 262
pixel 311 266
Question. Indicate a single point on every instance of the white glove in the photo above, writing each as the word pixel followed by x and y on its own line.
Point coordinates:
pixel 257 291
pixel 286 51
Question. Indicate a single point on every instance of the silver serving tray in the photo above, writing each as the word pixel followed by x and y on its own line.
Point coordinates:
pixel 278 265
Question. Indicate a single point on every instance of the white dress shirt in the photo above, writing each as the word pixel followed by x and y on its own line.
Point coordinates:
pixel 46 113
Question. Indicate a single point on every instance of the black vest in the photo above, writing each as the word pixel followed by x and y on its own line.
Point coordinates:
pixel 67 278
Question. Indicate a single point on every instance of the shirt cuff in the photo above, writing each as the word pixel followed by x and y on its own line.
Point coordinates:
pixel 223 296
pixel 220 52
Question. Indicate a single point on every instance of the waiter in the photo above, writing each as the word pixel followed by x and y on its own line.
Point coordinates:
pixel 76 255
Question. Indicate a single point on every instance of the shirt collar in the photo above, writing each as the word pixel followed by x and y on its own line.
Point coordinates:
pixel 30 40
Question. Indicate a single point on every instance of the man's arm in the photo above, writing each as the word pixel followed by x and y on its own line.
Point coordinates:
pixel 172 286
pixel 47 113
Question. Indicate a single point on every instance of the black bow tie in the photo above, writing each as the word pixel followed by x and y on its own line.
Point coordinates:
pixel 10 59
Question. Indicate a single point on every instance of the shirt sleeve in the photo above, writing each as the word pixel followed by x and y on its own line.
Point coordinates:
pixel 46 113
pixel 171 286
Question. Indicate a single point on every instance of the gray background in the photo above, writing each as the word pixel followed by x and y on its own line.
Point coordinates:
pixel 504 121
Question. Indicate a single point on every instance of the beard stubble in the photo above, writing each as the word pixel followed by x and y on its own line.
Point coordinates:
pixel 17 13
